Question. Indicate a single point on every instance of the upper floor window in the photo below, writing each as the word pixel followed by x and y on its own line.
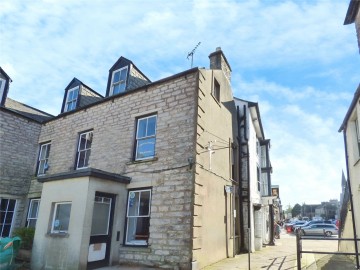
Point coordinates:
pixel 138 217
pixel 33 213
pixel 71 99
pixel 43 158
pixel 145 137
pixel 118 81
pixel 84 149
pixel 216 90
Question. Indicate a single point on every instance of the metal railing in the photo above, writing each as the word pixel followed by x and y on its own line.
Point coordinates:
pixel 299 250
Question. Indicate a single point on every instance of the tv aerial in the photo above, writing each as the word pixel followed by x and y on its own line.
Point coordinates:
pixel 192 54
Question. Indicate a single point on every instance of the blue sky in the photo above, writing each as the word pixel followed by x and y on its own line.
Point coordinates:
pixel 295 58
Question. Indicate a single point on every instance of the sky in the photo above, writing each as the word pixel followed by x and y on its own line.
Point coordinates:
pixel 295 58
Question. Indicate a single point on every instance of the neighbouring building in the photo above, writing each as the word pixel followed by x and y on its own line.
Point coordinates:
pixel 256 202
pixel 149 174
pixel 350 127
pixel 20 127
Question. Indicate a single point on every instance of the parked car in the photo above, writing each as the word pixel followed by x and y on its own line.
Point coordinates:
pixel 299 226
pixel 290 226
pixel 320 229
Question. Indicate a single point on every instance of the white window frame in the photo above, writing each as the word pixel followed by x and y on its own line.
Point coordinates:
pixel 31 205
pixel 136 242
pixel 112 85
pixel 86 149
pixel 42 159
pixel 139 139
pixel 6 213
pixel 72 101
pixel 54 215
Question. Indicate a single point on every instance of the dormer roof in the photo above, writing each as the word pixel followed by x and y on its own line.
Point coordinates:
pixel 77 94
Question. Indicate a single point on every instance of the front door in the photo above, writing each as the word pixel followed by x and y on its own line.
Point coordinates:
pixel 101 227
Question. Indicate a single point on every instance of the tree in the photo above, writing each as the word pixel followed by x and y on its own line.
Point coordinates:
pixel 296 210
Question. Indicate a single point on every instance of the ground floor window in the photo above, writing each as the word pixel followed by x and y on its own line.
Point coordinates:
pixel 138 217
pixel 61 217
pixel 33 213
pixel 7 211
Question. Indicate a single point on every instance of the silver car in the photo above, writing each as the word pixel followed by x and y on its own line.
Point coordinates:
pixel 320 229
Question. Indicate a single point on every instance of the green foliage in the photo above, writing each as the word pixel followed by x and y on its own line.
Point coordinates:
pixel 296 210
pixel 26 235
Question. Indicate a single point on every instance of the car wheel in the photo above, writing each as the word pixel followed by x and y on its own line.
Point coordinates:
pixel 328 233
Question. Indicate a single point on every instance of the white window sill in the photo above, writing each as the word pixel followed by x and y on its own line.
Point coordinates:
pixel 142 160
pixel 58 234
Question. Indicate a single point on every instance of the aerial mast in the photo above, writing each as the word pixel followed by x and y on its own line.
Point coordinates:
pixel 192 54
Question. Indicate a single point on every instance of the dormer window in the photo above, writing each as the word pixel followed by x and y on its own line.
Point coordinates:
pixel 71 99
pixel 118 81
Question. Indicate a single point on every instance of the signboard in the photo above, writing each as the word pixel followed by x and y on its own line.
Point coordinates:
pixel 275 191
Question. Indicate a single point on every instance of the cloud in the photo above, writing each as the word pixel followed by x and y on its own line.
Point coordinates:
pixel 293 57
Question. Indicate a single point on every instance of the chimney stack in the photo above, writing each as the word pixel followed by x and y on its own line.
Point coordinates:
pixel 219 61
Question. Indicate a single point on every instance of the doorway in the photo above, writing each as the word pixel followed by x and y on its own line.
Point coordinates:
pixel 101 230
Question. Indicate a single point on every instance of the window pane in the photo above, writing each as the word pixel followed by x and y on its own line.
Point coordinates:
pixel 122 87
pixel 4 204
pixel 47 151
pixel 144 203
pixel 133 209
pixel 82 144
pixel 138 229
pixel 11 206
pixel 146 148
pixel 100 219
pixel 6 231
pixel 31 223
pixel 86 159
pixel 116 76
pixel 123 74
pixel 62 217
pixel 89 139
pixel 116 89
pixel 33 209
pixel 8 217
pixel 151 126
pixel 141 132
pixel 81 162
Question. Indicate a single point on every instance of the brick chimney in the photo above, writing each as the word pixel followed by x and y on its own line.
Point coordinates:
pixel 219 61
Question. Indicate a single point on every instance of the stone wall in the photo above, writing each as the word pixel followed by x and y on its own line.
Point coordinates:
pixel 18 158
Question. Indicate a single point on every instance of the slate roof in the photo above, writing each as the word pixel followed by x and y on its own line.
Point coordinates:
pixel 27 111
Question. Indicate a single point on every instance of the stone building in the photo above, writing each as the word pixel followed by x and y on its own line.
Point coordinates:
pixel 148 174
pixel 256 202
pixel 20 127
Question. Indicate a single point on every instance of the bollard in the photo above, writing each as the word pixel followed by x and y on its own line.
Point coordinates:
pixel 298 249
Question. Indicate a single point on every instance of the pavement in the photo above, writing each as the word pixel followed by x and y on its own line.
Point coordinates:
pixel 282 256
